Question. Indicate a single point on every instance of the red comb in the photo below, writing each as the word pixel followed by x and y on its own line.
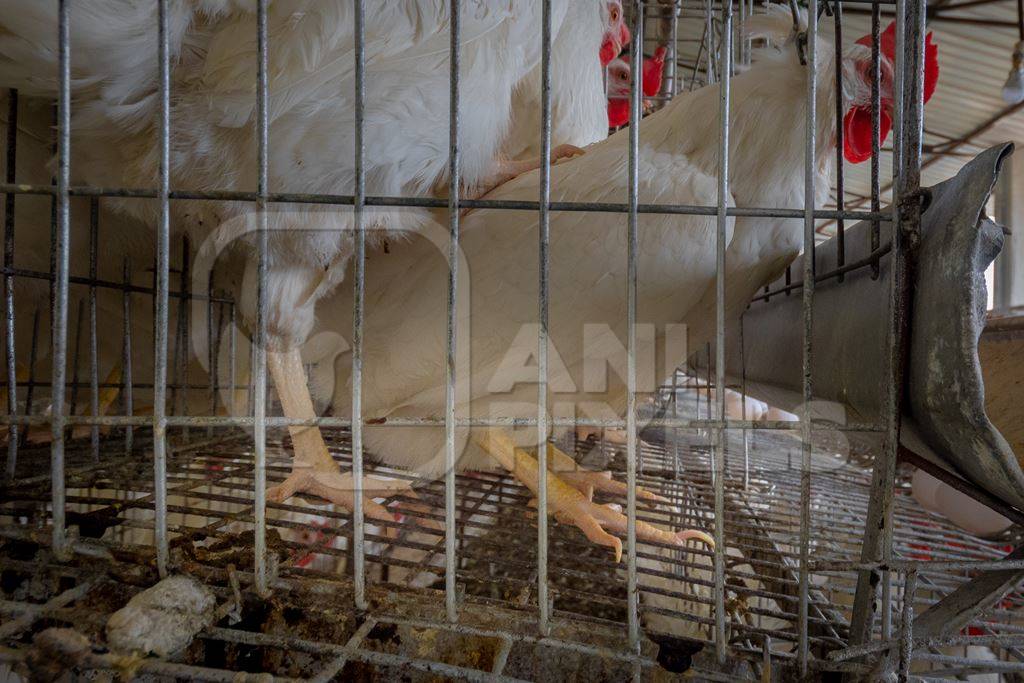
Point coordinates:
pixel 887 46
pixel 857 122
pixel 653 69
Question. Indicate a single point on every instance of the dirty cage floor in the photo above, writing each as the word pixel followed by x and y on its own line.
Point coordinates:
pixel 210 484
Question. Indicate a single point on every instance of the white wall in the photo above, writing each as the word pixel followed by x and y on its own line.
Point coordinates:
pixel 1009 210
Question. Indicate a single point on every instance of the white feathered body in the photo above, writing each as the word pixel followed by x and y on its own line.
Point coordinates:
pixel 405 337
pixel 311 111
pixel 405 333
pixel 578 109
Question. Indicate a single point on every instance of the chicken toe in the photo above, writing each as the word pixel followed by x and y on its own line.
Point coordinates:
pixel 569 505
pixel 569 471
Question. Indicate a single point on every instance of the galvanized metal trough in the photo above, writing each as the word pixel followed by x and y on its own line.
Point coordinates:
pixel 944 412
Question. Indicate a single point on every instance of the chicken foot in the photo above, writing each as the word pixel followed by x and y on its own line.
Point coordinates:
pixel 587 482
pixel 569 505
pixel 313 469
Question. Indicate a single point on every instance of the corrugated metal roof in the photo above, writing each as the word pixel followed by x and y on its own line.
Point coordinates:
pixel 974 61
pixel 973 64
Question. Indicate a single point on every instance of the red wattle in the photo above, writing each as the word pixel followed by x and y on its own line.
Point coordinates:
pixel 857 133
pixel 653 69
pixel 618 113
pixel 609 51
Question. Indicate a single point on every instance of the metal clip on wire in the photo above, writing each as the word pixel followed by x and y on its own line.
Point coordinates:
pixel 801 36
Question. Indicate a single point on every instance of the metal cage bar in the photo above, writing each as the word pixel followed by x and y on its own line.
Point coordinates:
pixel 725 56
pixel 9 348
pixel 635 102
pixel 454 207
pixel 722 48
pixel 544 265
pixel 259 371
pixel 160 304
pixel 358 289
pixel 62 236
pixel 810 152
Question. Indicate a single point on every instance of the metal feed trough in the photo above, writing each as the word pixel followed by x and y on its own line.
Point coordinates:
pixel 824 563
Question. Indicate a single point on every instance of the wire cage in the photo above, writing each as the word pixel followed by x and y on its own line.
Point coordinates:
pixel 116 479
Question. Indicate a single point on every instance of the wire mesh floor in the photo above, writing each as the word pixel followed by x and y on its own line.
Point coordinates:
pixel 210 486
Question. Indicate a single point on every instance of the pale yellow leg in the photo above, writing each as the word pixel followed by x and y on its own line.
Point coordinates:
pixel 568 504
pixel 313 470
pixel 567 469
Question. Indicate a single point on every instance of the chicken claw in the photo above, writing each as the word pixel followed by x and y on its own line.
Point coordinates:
pixel 587 482
pixel 313 469
pixel 339 489
pixel 569 505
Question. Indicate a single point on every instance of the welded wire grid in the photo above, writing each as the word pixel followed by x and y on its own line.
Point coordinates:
pixel 778 587
pixel 211 524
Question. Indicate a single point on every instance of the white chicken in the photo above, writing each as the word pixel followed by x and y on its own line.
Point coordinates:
pixel 577 82
pixel 311 111
pixel 404 368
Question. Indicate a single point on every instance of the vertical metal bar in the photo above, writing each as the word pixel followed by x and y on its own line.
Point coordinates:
pixel 163 267
pixel 260 369
pixel 739 28
pixel 454 181
pixel 53 228
pixel 185 336
pixel 709 31
pixel 890 456
pixel 212 339
pixel 126 360
pixel 720 436
pixel 358 295
pixel 12 371
pixel 251 389
pixel 635 102
pixel 907 626
pixel 670 86
pixel 59 329
pixel 908 120
pixel 73 402
pixel 837 14
pixel 743 397
pixel 32 354
pixel 675 430
pixel 542 313
pixel 232 363
pixel 94 377
pixel 876 143
pixel 175 363
pixel 810 173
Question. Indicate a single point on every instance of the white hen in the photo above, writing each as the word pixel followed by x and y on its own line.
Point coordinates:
pixel 497 337
pixel 311 121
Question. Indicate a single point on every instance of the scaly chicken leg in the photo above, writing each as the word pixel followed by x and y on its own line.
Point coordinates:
pixel 313 469
pixel 586 482
pixel 569 505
